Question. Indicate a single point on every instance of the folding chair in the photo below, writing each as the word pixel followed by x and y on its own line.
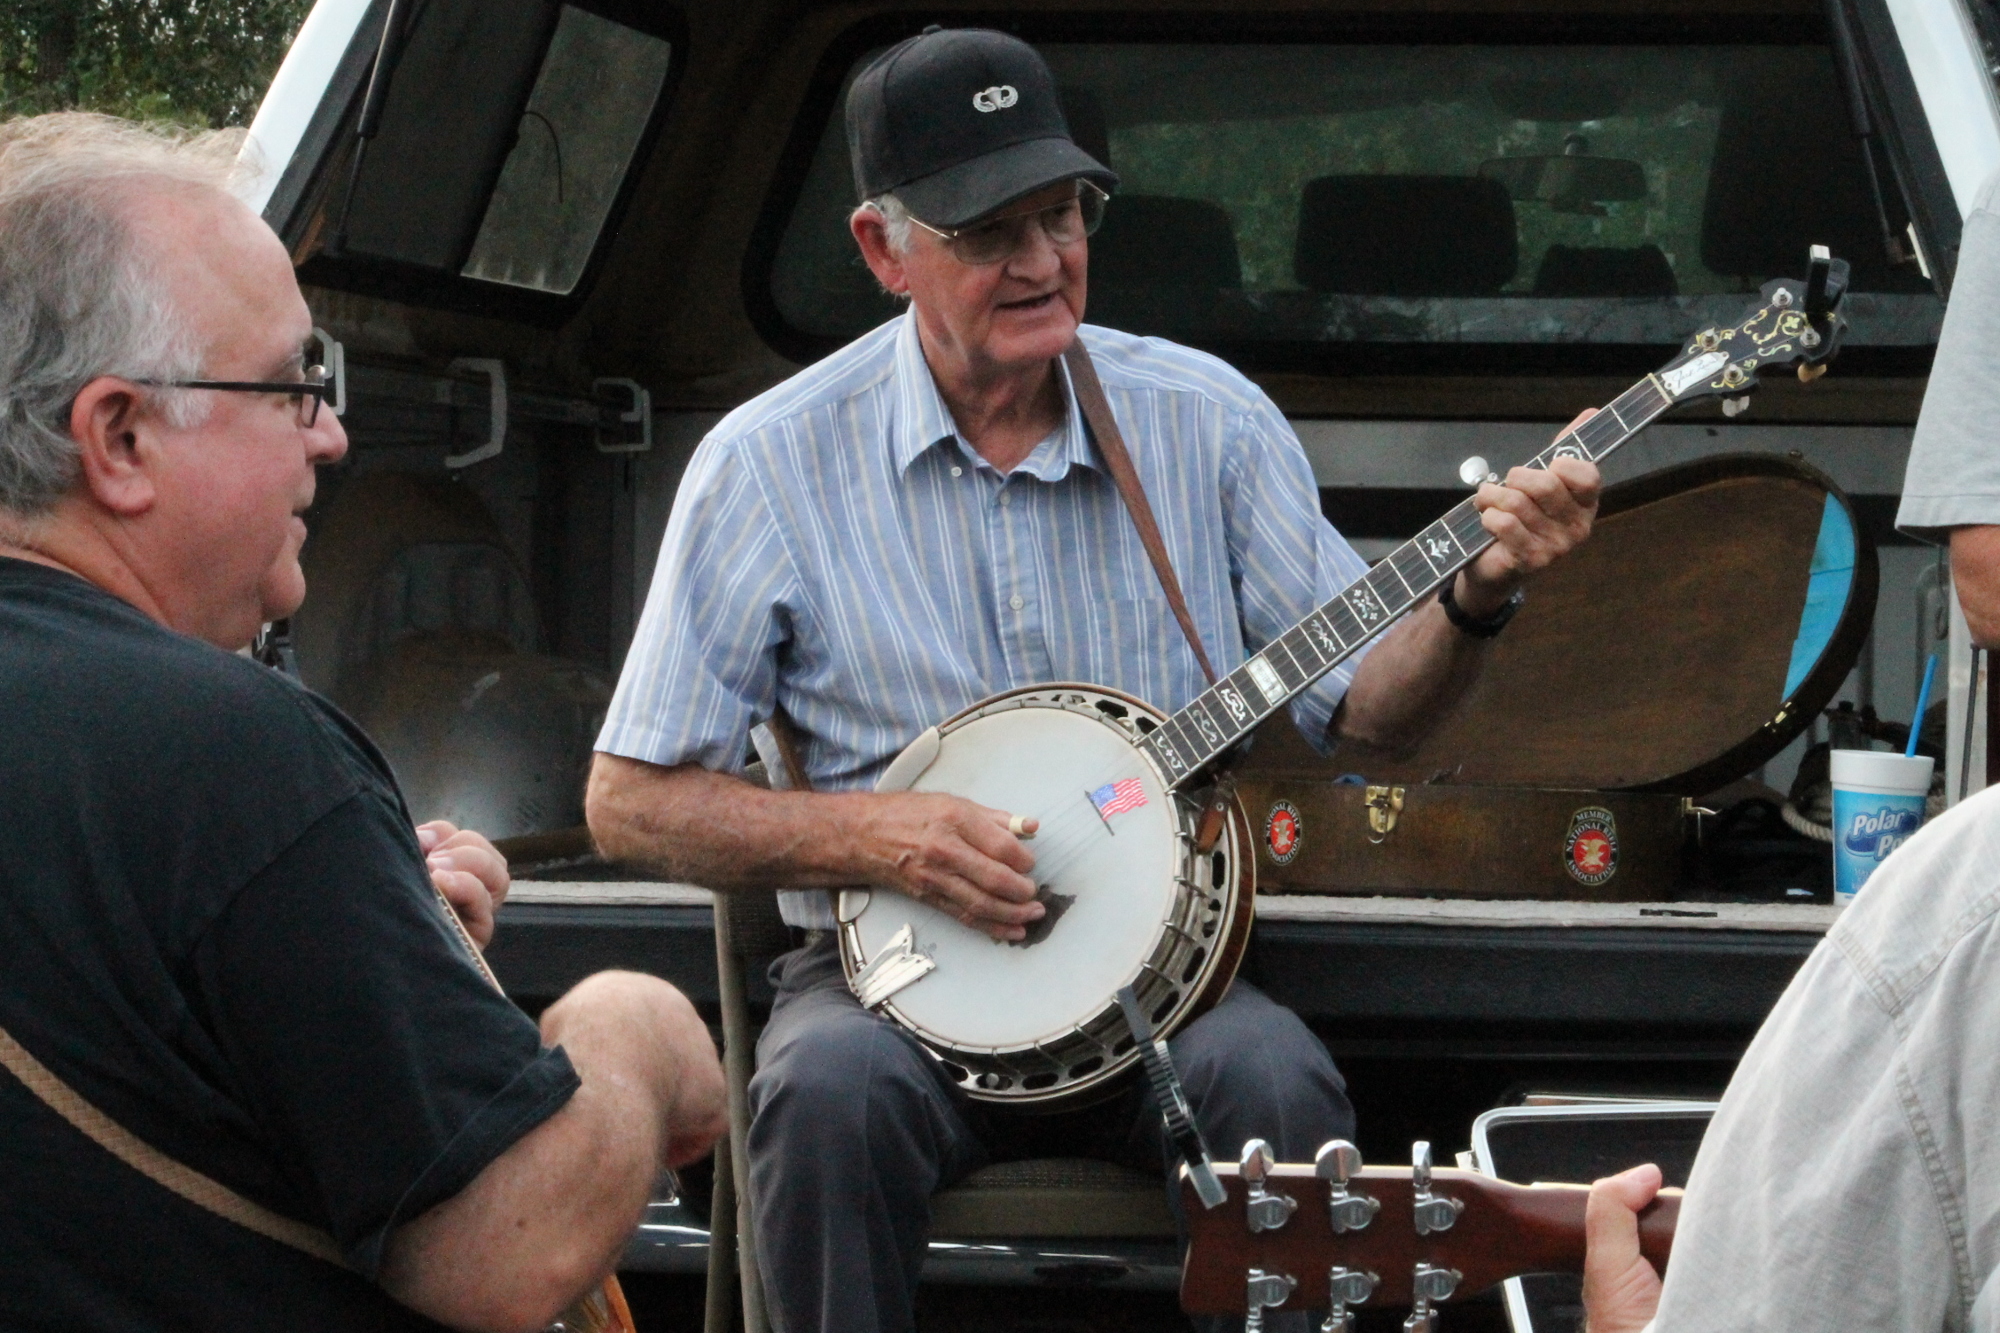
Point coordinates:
pixel 1051 1198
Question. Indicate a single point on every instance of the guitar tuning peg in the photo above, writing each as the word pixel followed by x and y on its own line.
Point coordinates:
pixel 1428 1286
pixel 1432 1213
pixel 1474 470
pixel 1345 1287
pixel 1265 1291
pixel 1736 407
pixel 1264 1210
pixel 1338 1163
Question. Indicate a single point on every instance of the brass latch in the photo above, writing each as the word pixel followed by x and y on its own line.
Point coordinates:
pixel 1384 804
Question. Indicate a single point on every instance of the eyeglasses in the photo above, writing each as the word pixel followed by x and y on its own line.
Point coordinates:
pixel 306 393
pixel 1003 237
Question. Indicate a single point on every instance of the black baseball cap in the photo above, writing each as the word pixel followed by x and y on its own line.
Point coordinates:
pixel 958 122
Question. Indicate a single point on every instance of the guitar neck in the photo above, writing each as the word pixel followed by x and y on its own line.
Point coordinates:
pixel 1192 739
pixel 1503 1231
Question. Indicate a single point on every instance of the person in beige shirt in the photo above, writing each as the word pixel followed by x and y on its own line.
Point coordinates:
pixel 1851 1178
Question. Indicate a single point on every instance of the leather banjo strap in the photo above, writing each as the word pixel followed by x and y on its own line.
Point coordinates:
pixel 1104 428
pixel 785 740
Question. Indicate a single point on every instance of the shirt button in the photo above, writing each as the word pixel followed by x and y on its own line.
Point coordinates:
pixel 1016 601
pixel 958 472
pixel 1004 498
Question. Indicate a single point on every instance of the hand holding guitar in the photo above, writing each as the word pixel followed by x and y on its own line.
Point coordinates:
pixel 960 857
pixel 1621 1291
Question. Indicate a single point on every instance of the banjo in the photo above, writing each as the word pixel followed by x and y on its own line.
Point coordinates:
pixel 1143 860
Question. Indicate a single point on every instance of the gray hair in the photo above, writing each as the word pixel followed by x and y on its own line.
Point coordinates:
pixel 79 295
pixel 895 220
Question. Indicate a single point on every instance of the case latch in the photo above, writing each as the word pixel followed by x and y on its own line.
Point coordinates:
pixel 1384 804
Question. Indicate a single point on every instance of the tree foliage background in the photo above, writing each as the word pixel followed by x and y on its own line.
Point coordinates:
pixel 197 62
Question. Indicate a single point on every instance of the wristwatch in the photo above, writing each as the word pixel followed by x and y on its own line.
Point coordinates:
pixel 1478 629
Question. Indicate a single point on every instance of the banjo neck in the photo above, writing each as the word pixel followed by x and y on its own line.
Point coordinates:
pixel 1188 742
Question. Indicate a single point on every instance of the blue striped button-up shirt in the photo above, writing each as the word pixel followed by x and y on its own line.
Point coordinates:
pixel 837 549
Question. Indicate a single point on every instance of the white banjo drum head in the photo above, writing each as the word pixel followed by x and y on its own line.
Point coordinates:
pixel 1106 875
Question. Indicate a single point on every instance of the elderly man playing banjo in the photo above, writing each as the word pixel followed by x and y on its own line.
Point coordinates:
pixel 922 520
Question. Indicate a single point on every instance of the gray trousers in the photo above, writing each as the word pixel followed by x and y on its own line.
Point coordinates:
pixel 854 1126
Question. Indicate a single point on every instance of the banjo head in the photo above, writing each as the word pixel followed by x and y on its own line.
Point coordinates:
pixel 1128 901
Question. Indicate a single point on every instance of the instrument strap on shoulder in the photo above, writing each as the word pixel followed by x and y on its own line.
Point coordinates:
pixel 602 1311
pixel 155 1165
pixel 175 1176
pixel 1104 428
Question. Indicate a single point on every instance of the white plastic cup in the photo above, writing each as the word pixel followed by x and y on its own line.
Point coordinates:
pixel 1878 802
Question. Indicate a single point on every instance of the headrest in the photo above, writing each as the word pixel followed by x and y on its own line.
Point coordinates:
pixel 1589 270
pixel 1156 240
pixel 1406 236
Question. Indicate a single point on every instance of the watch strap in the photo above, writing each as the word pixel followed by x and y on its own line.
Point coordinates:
pixel 1463 621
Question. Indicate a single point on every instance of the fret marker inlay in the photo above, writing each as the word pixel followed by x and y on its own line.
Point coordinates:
pixel 1266 677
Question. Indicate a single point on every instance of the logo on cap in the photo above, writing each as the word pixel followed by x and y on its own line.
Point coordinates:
pixel 997 98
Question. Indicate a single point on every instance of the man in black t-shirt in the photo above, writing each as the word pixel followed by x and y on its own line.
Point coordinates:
pixel 216 923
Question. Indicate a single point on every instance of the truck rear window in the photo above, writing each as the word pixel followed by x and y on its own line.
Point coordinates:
pixel 1462 194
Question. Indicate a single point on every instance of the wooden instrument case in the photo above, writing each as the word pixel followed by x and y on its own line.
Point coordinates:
pixel 1653 666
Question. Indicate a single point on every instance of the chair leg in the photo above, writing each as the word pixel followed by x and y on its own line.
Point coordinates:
pixel 739 1054
pixel 720 1313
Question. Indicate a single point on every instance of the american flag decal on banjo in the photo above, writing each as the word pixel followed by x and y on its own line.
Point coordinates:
pixel 1115 798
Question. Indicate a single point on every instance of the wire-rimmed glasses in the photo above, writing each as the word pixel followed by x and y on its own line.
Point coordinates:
pixel 1000 238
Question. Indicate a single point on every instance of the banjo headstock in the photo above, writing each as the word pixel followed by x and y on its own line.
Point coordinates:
pixel 1792 323
pixel 1334 1234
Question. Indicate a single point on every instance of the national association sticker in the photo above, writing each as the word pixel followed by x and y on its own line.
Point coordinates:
pixel 1283 832
pixel 1591 852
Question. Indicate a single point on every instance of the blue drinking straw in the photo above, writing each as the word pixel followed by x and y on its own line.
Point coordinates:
pixel 1923 702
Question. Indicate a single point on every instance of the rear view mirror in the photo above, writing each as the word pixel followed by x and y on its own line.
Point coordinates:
pixel 1573 183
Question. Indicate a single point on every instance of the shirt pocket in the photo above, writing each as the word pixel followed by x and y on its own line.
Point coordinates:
pixel 1138 647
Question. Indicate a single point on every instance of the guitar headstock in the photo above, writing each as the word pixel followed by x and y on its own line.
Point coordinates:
pixel 1792 323
pixel 1333 1234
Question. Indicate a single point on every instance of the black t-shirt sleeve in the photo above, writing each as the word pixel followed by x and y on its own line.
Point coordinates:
pixel 363 1040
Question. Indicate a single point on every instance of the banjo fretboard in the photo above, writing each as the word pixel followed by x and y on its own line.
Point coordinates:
pixel 1186 743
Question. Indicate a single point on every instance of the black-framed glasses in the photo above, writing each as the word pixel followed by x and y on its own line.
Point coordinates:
pixel 306 393
pixel 1001 238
